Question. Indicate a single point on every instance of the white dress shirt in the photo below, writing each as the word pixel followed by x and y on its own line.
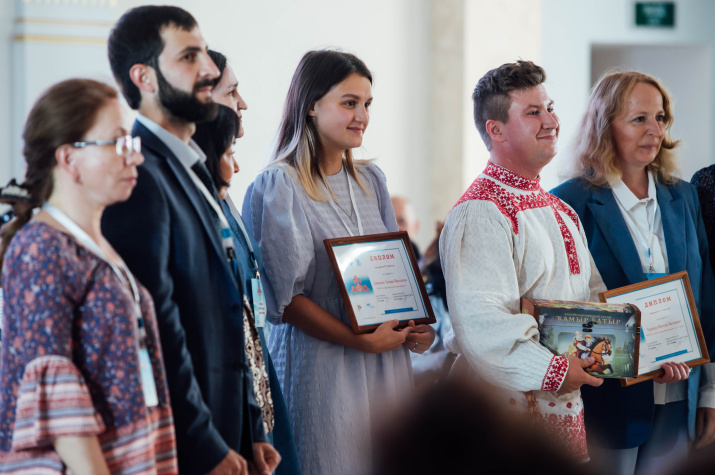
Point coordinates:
pixel 642 216
pixel 188 154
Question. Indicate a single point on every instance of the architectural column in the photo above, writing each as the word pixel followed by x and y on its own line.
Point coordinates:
pixel 447 103
pixel 52 40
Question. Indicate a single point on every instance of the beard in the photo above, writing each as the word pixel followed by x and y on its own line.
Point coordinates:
pixel 184 105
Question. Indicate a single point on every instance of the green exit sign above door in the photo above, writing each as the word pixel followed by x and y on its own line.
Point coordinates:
pixel 659 14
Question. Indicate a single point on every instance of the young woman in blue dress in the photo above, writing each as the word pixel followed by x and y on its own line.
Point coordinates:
pixel 335 382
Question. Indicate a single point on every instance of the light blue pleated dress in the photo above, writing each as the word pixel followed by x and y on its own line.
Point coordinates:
pixel 335 394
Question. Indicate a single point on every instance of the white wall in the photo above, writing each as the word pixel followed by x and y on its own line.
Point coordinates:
pixel 7 14
pixel 570 29
pixel 686 73
pixel 264 41
pixel 495 33
pixel 46 42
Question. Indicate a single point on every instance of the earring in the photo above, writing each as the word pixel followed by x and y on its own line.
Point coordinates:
pixel 77 179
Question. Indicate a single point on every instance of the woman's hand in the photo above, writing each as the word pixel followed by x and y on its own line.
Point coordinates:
pixel 673 372
pixel 420 338
pixel 306 315
pixel 385 338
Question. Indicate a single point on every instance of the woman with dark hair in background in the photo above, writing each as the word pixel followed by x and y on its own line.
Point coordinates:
pixel 335 381
pixel 704 183
pixel 226 90
pixel 82 378
pixel 216 139
pixel 642 222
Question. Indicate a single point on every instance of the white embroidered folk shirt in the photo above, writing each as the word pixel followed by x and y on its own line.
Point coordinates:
pixel 507 238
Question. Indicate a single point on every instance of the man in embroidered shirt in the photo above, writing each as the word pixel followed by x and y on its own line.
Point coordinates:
pixel 505 239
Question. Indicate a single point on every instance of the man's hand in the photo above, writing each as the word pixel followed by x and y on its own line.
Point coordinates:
pixel 265 459
pixel 577 377
pixel 704 427
pixel 232 464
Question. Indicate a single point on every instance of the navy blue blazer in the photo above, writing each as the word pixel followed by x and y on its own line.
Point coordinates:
pixel 623 417
pixel 166 234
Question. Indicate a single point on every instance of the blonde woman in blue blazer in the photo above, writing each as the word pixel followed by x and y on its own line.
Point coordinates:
pixel 641 222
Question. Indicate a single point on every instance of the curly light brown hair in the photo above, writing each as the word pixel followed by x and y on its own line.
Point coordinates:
pixel 596 150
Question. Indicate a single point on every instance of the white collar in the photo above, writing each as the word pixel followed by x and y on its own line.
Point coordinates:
pixel 188 154
pixel 627 198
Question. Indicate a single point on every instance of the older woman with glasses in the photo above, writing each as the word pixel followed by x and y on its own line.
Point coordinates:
pixel 82 378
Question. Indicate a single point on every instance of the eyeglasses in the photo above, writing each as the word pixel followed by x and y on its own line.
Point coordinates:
pixel 125 144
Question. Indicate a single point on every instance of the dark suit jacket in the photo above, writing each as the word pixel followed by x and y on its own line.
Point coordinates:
pixel 166 234
pixel 623 417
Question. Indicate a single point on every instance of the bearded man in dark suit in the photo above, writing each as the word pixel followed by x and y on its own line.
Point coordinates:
pixel 169 234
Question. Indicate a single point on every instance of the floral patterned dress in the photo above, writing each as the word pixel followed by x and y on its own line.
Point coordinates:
pixel 69 363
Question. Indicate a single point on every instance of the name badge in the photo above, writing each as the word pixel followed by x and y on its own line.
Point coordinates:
pixel 147 375
pixel 654 275
pixel 259 303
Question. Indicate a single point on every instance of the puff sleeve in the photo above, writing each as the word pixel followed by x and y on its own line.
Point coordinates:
pixel 42 291
pixel 275 216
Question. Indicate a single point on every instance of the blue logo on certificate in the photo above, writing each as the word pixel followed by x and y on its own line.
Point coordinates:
pixel 359 286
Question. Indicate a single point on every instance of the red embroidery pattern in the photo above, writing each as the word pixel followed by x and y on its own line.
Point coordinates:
pixel 510 203
pixel 510 178
pixel 569 430
pixel 555 374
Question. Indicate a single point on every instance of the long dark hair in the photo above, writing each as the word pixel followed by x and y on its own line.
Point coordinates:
pixel 63 114
pixel 220 61
pixel 214 138
pixel 298 140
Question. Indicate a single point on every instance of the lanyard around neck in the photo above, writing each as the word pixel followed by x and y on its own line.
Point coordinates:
pixel 352 203
pixel 125 277
pixel 642 236
pixel 246 237
pixel 226 238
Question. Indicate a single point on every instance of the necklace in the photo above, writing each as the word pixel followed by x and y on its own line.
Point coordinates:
pixel 350 216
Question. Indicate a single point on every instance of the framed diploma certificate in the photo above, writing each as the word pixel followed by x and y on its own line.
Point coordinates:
pixel 379 280
pixel 670 328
